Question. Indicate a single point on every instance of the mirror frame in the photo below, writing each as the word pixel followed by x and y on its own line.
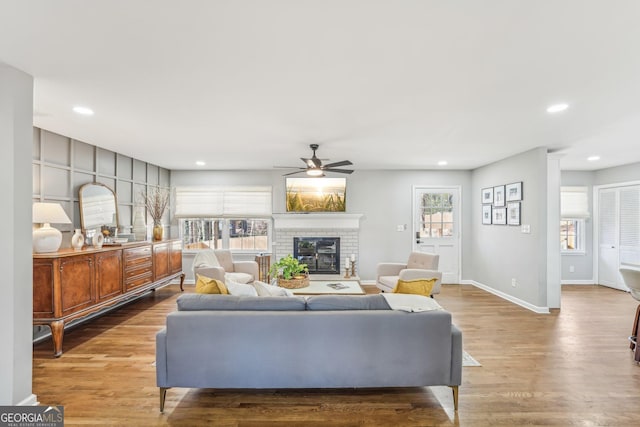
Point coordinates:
pixel 80 203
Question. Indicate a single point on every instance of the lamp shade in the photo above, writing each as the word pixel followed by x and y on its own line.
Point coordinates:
pixel 51 213
pixel 47 238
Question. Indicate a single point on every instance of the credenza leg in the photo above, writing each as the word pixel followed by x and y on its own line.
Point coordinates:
pixel 57 333
pixel 181 282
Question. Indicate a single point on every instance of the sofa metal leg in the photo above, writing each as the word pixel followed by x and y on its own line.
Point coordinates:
pixel 454 388
pixel 163 395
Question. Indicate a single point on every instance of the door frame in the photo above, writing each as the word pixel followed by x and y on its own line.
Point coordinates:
pixel 596 221
pixel 457 219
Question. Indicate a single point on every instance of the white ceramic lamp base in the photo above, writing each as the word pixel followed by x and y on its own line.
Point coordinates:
pixel 46 239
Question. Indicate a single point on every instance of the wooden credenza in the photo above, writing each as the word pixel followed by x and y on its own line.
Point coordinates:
pixel 70 285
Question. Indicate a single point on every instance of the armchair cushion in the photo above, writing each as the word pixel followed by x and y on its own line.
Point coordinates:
pixel 417 286
pixel 420 265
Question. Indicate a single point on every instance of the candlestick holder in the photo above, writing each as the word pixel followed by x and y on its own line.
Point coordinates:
pixel 353 269
pixel 346 273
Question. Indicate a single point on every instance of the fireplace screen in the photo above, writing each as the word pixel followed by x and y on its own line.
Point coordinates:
pixel 321 254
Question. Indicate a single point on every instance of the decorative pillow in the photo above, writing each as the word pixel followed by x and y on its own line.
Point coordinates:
pixel 266 290
pixel 240 289
pixel 207 285
pixel 418 287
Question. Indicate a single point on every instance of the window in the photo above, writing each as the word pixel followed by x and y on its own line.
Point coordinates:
pixel 437 215
pixel 574 209
pixel 572 235
pixel 236 218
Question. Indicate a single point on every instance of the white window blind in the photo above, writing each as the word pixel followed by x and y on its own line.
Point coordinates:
pixel 574 202
pixel 207 202
pixel 630 226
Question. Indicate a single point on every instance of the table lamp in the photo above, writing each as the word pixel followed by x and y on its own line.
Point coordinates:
pixel 47 238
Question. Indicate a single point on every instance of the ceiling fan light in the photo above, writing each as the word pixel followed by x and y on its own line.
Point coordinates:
pixel 314 172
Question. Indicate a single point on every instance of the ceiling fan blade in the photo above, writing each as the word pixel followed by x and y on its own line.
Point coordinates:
pixel 313 162
pixel 289 167
pixel 293 173
pixel 338 170
pixel 342 163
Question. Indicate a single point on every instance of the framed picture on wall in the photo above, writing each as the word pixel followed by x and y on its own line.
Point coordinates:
pixel 514 192
pixel 486 214
pixel 487 195
pixel 498 196
pixel 513 213
pixel 499 216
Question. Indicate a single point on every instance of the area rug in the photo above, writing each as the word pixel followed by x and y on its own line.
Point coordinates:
pixel 467 360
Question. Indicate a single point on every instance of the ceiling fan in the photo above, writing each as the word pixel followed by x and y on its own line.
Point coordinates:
pixel 314 166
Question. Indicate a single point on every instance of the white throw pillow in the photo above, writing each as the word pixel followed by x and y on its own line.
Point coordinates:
pixel 240 289
pixel 266 290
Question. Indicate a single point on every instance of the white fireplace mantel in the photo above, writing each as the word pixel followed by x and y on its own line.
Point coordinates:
pixel 316 220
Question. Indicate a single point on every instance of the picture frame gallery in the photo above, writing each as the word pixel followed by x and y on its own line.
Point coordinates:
pixel 501 204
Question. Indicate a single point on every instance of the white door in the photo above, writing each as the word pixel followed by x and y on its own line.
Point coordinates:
pixel 436 227
pixel 618 233
pixel 608 238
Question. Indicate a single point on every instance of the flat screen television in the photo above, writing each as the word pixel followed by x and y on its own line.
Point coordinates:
pixel 316 194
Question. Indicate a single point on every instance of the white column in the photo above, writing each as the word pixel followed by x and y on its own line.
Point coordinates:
pixel 16 303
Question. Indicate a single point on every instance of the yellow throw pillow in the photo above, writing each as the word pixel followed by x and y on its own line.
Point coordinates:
pixel 418 286
pixel 206 285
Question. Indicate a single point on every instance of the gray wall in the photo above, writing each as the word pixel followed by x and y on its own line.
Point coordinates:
pixel 61 165
pixel 625 173
pixel 501 253
pixel 16 303
pixel 383 197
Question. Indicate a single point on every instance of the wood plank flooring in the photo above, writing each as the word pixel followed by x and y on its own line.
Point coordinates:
pixel 572 367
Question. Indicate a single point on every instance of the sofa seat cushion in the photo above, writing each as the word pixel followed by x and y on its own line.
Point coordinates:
pixel 346 302
pixel 238 277
pixel 389 281
pixel 200 302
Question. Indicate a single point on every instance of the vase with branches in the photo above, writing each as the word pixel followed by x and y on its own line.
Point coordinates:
pixel 156 201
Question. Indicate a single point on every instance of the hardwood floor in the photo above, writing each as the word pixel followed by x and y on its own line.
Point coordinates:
pixel 571 367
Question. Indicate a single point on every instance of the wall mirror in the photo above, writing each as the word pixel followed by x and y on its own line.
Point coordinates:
pixel 98 207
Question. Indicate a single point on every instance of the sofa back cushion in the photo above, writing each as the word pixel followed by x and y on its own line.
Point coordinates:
pixel 346 302
pixel 200 302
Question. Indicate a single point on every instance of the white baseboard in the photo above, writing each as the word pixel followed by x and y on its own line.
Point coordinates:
pixel 510 298
pixel 577 282
pixel 31 400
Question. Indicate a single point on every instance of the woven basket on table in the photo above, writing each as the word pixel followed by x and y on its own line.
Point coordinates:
pixel 295 283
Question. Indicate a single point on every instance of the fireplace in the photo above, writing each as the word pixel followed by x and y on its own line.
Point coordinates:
pixel 321 254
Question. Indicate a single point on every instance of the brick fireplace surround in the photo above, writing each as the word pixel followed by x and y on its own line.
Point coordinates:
pixel 344 226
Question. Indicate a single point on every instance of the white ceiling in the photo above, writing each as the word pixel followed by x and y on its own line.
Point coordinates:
pixel 391 84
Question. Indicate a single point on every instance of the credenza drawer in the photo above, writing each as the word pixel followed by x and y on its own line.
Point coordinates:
pixel 143 277
pixel 137 256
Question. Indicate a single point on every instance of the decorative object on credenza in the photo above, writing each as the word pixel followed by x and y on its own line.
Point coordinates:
pixel 513 192
pixel 487 195
pixel 46 238
pixel 486 214
pixel 156 201
pixel 498 196
pixel 513 213
pixel 77 240
pixel 139 224
pixel 98 240
pixel 290 273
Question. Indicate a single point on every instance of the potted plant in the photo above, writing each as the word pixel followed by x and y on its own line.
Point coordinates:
pixel 290 273
pixel 156 201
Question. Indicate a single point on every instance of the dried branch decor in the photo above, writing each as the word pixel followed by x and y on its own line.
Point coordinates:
pixel 156 202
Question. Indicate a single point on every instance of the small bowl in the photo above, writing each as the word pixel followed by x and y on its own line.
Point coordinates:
pixel 120 240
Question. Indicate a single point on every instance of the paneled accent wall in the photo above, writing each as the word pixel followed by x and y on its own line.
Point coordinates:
pixel 62 164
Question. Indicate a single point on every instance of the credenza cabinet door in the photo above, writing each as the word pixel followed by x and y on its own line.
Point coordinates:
pixel 77 286
pixel 108 274
pixel 160 260
pixel 175 257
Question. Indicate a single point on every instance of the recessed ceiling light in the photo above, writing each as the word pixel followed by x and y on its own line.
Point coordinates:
pixel 556 108
pixel 593 158
pixel 83 110
pixel 200 163
pixel 443 163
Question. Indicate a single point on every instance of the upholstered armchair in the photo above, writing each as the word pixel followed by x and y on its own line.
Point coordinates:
pixel 219 264
pixel 420 265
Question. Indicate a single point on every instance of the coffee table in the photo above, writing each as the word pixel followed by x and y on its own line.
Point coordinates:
pixel 327 287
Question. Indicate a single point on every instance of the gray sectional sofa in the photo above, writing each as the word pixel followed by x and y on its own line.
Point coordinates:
pixel 325 341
